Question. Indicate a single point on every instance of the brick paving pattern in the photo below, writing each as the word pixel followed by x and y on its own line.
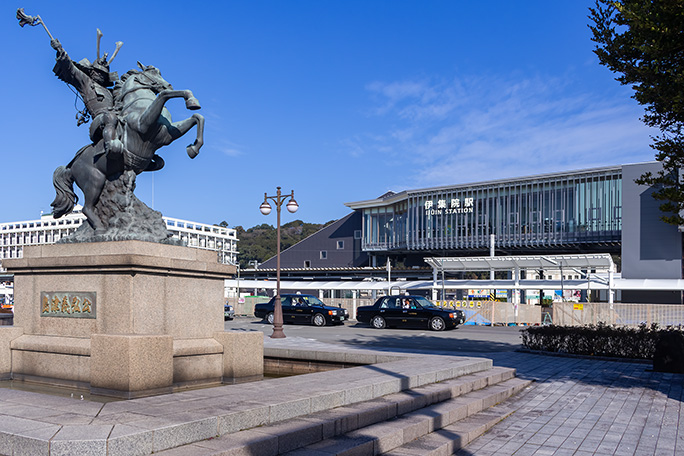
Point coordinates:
pixel 587 407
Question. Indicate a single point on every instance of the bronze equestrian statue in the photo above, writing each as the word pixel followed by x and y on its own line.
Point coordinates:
pixel 129 124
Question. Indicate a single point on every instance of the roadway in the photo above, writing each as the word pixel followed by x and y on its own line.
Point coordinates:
pixel 464 339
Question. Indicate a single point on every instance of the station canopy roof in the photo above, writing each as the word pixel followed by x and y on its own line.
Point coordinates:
pixel 597 282
pixel 594 281
pixel 507 263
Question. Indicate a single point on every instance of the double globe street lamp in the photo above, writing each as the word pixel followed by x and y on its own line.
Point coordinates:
pixel 265 209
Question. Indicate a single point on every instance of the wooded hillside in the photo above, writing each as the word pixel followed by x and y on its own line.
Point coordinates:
pixel 259 242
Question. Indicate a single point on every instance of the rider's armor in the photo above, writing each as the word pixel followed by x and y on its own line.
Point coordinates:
pixel 92 82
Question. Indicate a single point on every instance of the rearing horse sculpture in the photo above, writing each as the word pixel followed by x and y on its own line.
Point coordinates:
pixel 144 126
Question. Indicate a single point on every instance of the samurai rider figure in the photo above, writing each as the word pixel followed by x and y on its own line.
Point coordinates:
pixel 93 81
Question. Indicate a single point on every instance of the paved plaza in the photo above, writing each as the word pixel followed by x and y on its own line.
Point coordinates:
pixel 587 407
pixel 579 406
pixel 574 406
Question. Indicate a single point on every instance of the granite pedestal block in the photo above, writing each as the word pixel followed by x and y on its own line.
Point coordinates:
pixel 132 365
pixel 243 354
pixel 82 307
pixel 7 335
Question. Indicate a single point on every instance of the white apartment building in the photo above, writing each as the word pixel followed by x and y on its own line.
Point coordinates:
pixel 14 236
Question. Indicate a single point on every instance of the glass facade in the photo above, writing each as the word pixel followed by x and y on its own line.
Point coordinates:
pixel 542 211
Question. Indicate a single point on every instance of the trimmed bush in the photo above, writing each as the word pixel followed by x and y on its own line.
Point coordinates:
pixel 669 353
pixel 599 340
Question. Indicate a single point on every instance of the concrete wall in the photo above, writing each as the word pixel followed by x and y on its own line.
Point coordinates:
pixel 651 248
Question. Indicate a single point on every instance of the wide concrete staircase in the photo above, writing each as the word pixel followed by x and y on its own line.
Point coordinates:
pixel 435 419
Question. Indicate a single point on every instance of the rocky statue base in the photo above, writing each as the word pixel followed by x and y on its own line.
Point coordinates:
pixel 124 216
pixel 125 319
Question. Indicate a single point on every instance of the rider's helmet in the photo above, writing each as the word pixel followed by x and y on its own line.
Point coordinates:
pixel 98 70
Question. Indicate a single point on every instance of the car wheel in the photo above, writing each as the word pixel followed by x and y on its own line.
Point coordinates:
pixel 378 322
pixel 437 324
pixel 318 320
pixel 269 318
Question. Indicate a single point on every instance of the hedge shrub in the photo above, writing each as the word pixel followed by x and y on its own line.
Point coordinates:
pixel 599 340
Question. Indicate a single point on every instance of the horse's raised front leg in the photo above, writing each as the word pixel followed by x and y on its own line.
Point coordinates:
pixel 178 129
pixel 150 116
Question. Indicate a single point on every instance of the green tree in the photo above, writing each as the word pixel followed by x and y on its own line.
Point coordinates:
pixel 643 41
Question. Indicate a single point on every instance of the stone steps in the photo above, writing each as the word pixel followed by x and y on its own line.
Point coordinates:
pixel 450 439
pixel 188 422
pixel 438 428
pixel 390 423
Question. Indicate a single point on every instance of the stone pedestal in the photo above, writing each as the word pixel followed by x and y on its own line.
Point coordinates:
pixel 136 364
pixel 130 317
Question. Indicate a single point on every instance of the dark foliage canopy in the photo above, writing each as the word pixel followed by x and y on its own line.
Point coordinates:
pixel 643 41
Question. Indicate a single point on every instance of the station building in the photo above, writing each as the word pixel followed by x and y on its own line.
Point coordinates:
pixel 570 212
pixel 589 211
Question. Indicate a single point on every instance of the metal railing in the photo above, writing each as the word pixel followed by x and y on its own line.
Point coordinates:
pixel 621 314
pixel 480 312
pixel 505 313
pixel 245 306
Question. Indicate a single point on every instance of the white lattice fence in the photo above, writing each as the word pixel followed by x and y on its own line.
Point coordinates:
pixel 591 313
pixel 497 313
pixel 246 307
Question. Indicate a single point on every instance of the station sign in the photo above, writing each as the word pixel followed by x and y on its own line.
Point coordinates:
pixel 449 206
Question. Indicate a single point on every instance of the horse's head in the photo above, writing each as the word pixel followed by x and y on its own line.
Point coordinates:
pixel 151 78
pixel 148 78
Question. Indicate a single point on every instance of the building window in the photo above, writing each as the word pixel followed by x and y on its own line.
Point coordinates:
pixel 340 245
pixel 324 254
pixel 307 263
pixel 357 234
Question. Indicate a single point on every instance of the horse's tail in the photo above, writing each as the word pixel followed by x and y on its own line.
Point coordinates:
pixel 64 185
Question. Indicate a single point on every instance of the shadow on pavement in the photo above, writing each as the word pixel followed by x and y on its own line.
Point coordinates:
pixel 606 373
pixel 492 343
pixel 424 343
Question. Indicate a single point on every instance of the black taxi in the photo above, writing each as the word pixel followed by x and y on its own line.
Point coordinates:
pixel 302 309
pixel 408 312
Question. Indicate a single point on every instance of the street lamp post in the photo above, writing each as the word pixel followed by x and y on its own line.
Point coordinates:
pixel 265 209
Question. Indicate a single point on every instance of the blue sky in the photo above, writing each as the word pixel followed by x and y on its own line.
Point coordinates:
pixel 339 100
